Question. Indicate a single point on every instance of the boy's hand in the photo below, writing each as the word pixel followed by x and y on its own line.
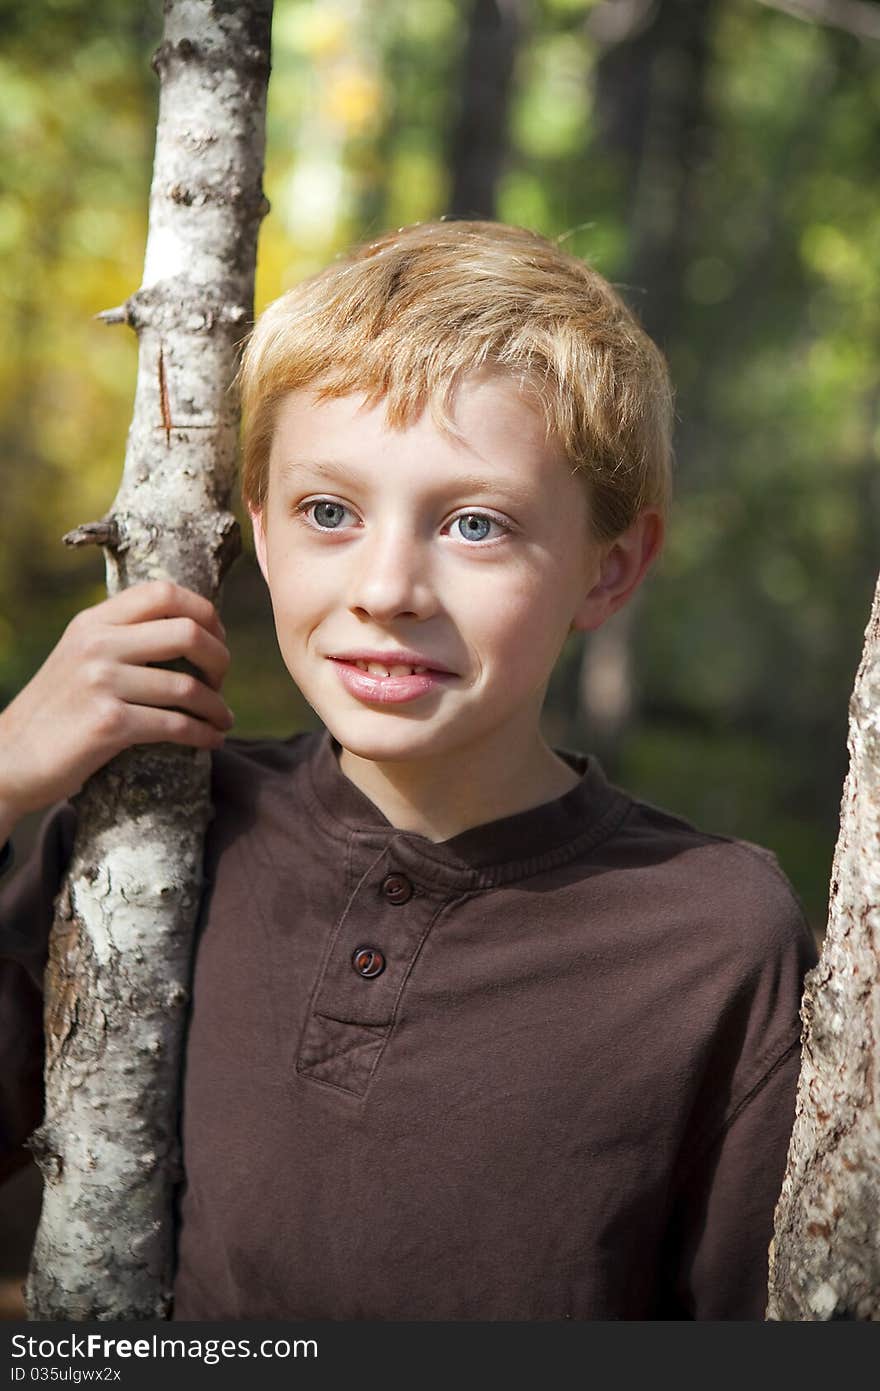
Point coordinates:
pixel 96 694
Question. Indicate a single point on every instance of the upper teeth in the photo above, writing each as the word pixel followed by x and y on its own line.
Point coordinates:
pixel 377 669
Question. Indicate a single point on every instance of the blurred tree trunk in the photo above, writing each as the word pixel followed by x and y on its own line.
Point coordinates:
pixel 861 18
pixel 652 114
pixel 479 142
pixel 825 1253
pixel 117 981
pixel 653 123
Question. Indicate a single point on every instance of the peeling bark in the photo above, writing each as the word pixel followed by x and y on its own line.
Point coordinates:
pixel 825 1254
pixel 117 981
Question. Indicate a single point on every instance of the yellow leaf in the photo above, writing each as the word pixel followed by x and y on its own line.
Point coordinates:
pixel 353 99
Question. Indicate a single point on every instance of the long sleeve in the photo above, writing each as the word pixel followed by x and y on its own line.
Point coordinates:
pixel 723 1223
pixel 26 906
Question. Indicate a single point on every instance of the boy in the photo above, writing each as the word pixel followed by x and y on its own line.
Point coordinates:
pixel 474 1034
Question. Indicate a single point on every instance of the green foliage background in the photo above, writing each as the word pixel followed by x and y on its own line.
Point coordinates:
pixel 751 627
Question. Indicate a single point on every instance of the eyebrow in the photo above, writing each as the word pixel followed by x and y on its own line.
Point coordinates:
pixel 462 483
pixel 291 468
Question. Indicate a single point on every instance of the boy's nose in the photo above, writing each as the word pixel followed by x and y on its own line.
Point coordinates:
pixel 392 578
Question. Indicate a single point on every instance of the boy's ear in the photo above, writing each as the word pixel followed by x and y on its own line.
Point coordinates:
pixel 256 516
pixel 623 565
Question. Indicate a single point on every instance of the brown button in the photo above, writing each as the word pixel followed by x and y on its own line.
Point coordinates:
pixel 397 888
pixel 368 961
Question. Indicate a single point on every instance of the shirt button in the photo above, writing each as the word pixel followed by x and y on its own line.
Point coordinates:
pixel 368 961
pixel 397 888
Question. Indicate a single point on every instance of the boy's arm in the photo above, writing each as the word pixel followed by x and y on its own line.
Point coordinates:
pixel 731 1164
pixel 26 910
pixel 723 1222
pixel 102 689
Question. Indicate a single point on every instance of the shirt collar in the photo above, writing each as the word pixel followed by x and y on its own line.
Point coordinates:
pixel 509 848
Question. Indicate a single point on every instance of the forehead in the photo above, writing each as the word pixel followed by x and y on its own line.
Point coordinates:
pixel 498 436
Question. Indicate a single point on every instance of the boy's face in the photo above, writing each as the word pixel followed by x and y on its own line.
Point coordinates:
pixel 473 555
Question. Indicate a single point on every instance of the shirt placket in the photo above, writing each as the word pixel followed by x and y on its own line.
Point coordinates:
pixel 372 952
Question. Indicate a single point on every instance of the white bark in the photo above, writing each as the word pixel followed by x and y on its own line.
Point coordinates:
pixel 825 1255
pixel 117 983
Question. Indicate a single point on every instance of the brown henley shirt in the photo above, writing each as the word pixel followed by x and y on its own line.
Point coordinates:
pixel 542 1070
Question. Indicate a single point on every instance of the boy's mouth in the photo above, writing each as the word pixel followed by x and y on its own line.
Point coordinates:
pixel 395 664
pixel 378 682
pixel 377 669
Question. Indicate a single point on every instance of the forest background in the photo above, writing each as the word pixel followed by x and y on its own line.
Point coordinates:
pixel 715 159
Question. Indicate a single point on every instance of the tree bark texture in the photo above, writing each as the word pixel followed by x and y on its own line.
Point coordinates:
pixel 825 1253
pixel 117 981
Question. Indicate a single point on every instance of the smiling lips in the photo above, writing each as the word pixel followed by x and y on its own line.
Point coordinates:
pixel 380 669
pixel 400 662
pixel 388 682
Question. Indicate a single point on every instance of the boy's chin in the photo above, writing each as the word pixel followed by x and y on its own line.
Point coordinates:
pixel 404 742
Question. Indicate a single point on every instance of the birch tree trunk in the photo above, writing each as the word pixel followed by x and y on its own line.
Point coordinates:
pixel 117 981
pixel 825 1254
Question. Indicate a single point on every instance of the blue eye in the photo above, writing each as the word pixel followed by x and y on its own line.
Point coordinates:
pixel 328 515
pixel 474 526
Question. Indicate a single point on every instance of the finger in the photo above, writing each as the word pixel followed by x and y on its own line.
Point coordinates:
pixel 167 640
pixel 151 686
pixel 154 726
pixel 162 599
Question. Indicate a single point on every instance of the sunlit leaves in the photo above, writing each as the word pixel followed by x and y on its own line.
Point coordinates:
pixel 550 114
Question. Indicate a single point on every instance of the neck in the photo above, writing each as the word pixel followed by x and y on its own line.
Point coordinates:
pixel 441 796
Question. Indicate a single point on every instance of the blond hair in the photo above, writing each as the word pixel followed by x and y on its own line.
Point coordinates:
pixel 406 317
